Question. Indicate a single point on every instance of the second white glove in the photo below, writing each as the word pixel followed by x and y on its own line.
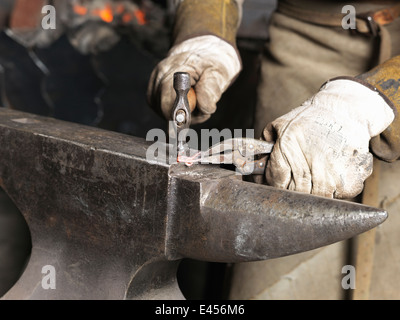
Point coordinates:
pixel 322 147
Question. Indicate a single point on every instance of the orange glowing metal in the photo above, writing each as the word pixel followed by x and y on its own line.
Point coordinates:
pixel 127 17
pixel 120 8
pixel 80 10
pixel 106 14
pixel 140 17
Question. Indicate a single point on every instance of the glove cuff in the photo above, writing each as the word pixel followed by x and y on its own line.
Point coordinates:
pixel 357 102
pixel 381 93
pixel 386 79
pixel 206 17
pixel 384 146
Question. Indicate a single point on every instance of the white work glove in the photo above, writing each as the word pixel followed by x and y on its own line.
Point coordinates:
pixel 212 64
pixel 322 147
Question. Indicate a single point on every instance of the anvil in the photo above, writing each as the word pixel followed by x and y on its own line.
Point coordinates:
pixel 115 225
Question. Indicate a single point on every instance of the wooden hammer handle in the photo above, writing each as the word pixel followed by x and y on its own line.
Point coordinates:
pixel 192 99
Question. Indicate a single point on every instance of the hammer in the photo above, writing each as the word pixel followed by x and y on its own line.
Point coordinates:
pixel 185 103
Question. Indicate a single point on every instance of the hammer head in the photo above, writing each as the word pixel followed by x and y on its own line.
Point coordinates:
pixel 181 113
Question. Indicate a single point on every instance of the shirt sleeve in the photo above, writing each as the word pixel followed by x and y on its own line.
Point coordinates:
pixel 386 79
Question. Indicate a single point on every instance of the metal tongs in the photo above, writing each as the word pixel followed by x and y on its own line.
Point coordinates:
pixel 241 152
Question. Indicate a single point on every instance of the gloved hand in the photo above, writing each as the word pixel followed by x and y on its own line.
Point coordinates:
pixel 322 147
pixel 212 64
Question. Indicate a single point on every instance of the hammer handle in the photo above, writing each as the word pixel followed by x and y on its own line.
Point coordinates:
pixel 192 99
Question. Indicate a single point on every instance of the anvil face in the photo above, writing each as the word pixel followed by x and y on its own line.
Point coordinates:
pixel 115 225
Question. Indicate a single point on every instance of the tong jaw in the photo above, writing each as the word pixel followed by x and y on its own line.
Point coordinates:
pixel 240 152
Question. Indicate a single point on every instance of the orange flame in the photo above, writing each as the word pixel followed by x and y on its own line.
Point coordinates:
pixel 81 10
pixel 140 17
pixel 120 8
pixel 107 14
pixel 127 17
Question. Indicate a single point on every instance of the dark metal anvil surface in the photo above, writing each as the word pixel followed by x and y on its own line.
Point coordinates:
pixel 115 225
